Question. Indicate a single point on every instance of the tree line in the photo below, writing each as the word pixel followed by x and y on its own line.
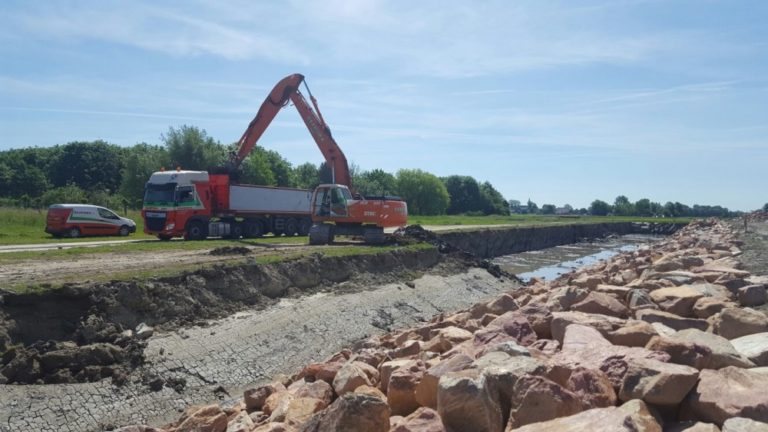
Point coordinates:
pixel 102 173
pixel 622 206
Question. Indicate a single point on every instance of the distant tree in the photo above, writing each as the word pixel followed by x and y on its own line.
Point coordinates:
pixel 532 207
pixel 281 169
pixel 140 162
pixel 568 208
pixel 94 165
pixel 27 181
pixel 622 206
pixel 192 149
pixel 599 208
pixel 643 207
pixel 765 207
pixel 375 183
pixel 69 194
pixel 306 175
pixel 465 194
pixel 424 192
pixel 325 173
pixel 493 201
pixel 514 206
pixel 548 209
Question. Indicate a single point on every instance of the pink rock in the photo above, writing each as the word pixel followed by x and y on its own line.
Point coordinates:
pixel 511 326
pixel 634 333
pixel 421 420
pixel 705 307
pixel 319 389
pixel 682 352
pixel 656 382
pixel 209 418
pixel 754 347
pixel 351 412
pixel 677 300
pixel 426 390
pixel 401 392
pixel 351 376
pixel 593 388
pixel 603 323
pixel 537 399
pixel 255 398
pixel 737 322
pixel 502 304
pixel 671 320
pixel 540 319
pixel 728 392
pixel 599 303
pixel 446 338
pixel 633 416
pixel 465 403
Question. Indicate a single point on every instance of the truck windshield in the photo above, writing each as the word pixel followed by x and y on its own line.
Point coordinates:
pixel 159 194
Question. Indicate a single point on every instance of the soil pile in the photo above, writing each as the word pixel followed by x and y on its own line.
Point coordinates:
pixel 664 337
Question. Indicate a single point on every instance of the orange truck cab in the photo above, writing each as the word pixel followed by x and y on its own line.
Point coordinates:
pixel 75 220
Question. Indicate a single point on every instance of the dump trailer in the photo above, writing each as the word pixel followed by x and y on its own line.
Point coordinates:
pixel 196 205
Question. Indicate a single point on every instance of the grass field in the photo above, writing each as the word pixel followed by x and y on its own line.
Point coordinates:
pixel 27 226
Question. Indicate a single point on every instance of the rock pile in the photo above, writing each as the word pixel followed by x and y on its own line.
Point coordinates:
pixel 662 338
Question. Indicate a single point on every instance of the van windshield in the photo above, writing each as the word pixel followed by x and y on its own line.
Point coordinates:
pixel 159 194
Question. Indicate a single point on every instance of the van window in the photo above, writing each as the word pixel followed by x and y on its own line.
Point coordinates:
pixel 106 214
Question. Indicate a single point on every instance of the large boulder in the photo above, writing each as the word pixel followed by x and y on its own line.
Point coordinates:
pixel 736 322
pixel 705 307
pixel 352 375
pixel 426 389
pixel 723 352
pixel 511 326
pixel 677 300
pixel 446 338
pixel 593 388
pixel 209 418
pixel 401 392
pixel 537 399
pixel 671 320
pixel 682 352
pixel 741 424
pixel 421 420
pixel 728 392
pixel 540 319
pixel 752 295
pixel 600 303
pixel 634 333
pixel 255 398
pixel 319 389
pixel 656 382
pixel 352 412
pixel 754 347
pixel 633 416
pixel 465 402
pixel 602 323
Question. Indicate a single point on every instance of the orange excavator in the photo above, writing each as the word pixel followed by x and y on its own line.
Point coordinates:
pixel 336 208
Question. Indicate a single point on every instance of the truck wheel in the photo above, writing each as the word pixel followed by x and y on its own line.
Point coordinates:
pixel 73 232
pixel 291 227
pixel 304 226
pixel 196 231
pixel 124 231
pixel 237 231
pixel 321 234
pixel 253 229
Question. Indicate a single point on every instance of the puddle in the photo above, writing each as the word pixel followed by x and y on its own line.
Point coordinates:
pixel 550 263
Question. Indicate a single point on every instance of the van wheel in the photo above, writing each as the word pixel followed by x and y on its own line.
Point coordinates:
pixel 196 231
pixel 73 232
pixel 124 230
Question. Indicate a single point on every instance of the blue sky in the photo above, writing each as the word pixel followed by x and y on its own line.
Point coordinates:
pixel 557 101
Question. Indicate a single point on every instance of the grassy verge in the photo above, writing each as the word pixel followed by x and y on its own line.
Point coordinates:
pixel 176 270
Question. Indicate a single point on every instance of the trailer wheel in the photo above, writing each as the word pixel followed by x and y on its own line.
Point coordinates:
pixel 304 226
pixel 253 229
pixel 291 227
pixel 196 231
pixel 73 232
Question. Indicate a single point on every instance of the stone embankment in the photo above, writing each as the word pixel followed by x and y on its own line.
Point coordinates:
pixel 662 338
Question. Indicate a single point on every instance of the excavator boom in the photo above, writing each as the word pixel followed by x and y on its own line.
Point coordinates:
pixel 284 91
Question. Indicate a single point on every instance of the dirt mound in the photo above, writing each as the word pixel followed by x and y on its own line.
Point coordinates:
pixel 230 250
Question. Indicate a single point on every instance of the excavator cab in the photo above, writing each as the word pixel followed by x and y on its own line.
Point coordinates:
pixel 331 201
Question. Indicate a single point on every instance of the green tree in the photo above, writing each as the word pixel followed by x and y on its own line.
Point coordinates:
pixel 493 201
pixel 281 169
pixel 532 207
pixel 424 192
pixel 140 162
pixel 192 149
pixel 643 207
pixel 514 206
pixel 765 207
pixel 27 181
pixel 69 194
pixel 376 183
pixel 599 208
pixel 257 169
pixel 622 206
pixel 465 194
pixel 548 209
pixel 88 165
pixel 307 176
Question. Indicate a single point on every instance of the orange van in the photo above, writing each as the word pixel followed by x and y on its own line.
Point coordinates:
pixel 75 220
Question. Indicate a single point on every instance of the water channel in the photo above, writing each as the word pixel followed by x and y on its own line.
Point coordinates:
pixel 552 262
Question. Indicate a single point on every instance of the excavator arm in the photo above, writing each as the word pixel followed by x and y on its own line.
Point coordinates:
pixel 288 90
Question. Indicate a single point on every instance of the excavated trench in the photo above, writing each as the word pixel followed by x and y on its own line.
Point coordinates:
pixel 224 327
